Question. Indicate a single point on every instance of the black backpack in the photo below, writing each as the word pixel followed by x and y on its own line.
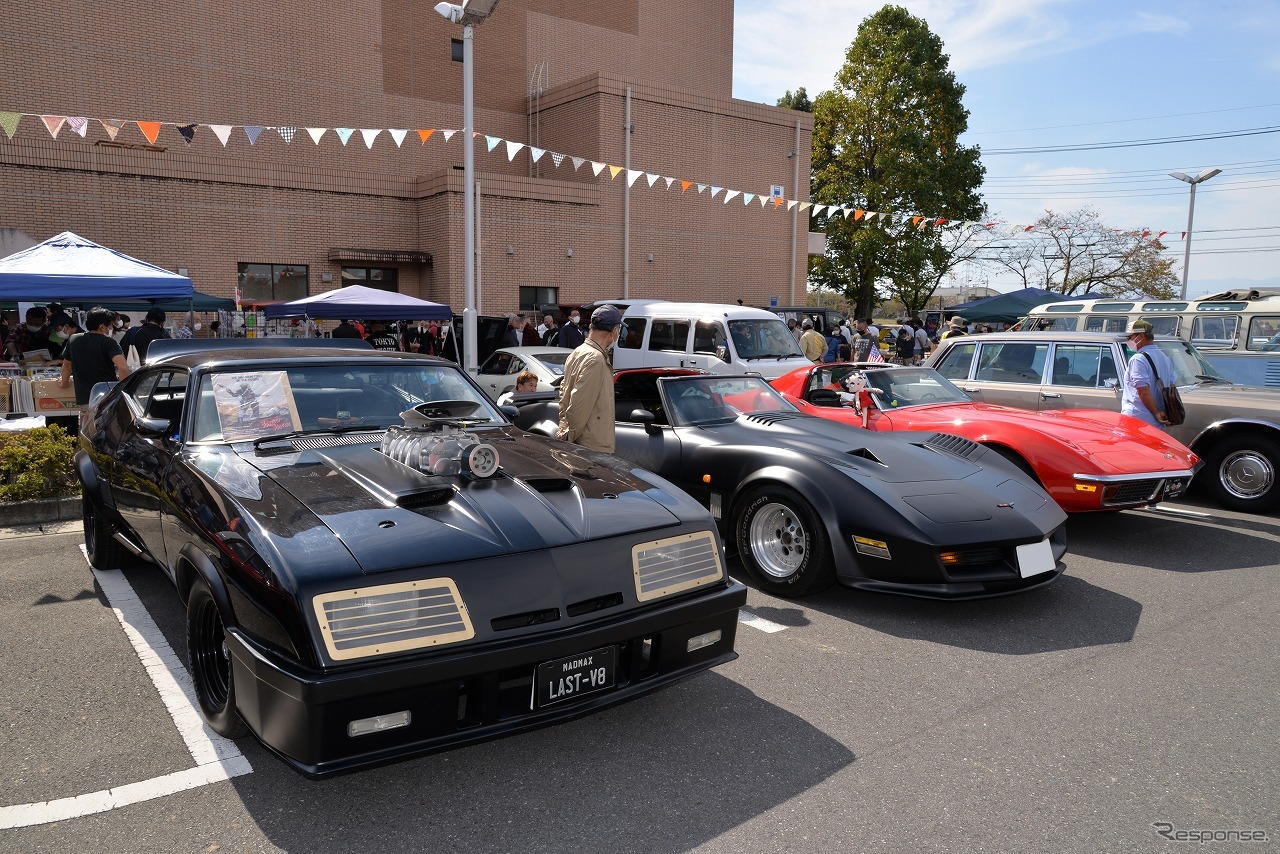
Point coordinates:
pixel 1170 397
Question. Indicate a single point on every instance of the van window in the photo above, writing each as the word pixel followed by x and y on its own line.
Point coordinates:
pixel 759 339
pixel 1164 324
pixel 1055 324
pixel 669 335
pixel 1264 333
pixel 1077 364
pixel 1214 330
pixel 1105 323
pixel 632 332
pixel 1009 362
pixel 708 338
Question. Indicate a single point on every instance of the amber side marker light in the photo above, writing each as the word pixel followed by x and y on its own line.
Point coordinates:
pixel 706 478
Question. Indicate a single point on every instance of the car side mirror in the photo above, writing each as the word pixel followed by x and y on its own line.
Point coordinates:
pixel 722 353
pixel 1111 383
pixel 152 426
pixel 645 417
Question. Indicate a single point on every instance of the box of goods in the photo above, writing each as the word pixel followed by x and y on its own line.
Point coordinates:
pixel 6 395
pixel 51 398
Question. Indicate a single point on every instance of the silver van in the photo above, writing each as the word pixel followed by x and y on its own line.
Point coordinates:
pixel 723 339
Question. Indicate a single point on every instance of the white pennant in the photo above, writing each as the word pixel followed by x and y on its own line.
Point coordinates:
pixel 316 133
pixel 513 148
pixel 804 205
pixel 535 154
pixel 669 181
pixel 222 132
pixel 578 161
pixel 448 134
pixel 370 134
pixel 701 187
pixel 344 134
pixel 632 175
pixel 746 198
pixel 791 204
pixel 729 194
pixel 398 136
pixel 764 200
pixel 77 124
pixel 650 177
pixel 715 190
pixel 597 167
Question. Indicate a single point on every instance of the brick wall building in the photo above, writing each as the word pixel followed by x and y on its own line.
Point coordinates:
pixel 312 217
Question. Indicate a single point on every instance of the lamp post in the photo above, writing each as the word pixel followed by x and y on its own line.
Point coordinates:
pixel 468 13
pixel 1191 213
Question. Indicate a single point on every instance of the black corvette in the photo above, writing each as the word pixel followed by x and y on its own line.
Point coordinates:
pixel 375 563
pixel 808 501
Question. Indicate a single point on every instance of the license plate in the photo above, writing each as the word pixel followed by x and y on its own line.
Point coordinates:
pixel 1035 558
pixel 574 676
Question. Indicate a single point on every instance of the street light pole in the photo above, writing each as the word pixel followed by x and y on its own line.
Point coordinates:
pixel 468 13
pixel 1191 213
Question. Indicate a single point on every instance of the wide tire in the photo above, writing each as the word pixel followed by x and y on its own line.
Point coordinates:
pixel 782 542
pixel 209 661
pixel 1243 473
pixel 105 552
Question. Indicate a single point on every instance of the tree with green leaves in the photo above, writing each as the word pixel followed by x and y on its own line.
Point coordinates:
pixel 886 139
pixel 1074 253
pixel 799 100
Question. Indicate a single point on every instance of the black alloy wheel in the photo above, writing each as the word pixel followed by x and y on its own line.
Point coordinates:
pixel 209 661
pixel 104 551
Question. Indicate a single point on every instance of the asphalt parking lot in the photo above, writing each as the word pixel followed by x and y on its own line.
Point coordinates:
pixel 1131 702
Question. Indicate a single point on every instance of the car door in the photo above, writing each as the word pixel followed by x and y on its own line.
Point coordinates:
pixel 493 373
pixel 142 459
pixel 1008 373
pixel 710 349
pixel 1081 376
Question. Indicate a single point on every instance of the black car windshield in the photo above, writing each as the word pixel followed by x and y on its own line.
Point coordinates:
pixel 251 403
pixel 763 339
pixel 891 388
pixel 709 399
pixel 1189 367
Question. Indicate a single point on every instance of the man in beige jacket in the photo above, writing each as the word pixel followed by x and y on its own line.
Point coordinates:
pixel 586 392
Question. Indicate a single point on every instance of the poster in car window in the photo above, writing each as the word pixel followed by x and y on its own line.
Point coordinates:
pixel 255 404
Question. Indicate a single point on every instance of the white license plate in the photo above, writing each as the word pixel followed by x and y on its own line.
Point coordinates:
pixel 1035 558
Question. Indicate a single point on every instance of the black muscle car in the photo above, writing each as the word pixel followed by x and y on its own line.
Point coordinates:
pixel 808 501
pixel 375 563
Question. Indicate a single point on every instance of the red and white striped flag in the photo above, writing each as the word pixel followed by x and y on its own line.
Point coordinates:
pixel 875 355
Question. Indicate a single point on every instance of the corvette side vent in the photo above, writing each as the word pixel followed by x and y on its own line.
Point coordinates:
pixel 956 446
pixel 664 567
pixel 391 618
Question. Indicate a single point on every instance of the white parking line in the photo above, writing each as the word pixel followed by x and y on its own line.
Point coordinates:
pixel 216 758
pixel 767 626
pixel 1178 511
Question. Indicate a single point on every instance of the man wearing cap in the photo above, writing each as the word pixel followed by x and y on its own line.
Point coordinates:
pixel 586 392
pixel 1140 398
pixel 812 344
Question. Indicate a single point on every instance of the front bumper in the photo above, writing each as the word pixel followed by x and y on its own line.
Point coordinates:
pixel 1116 492
pixel 469 694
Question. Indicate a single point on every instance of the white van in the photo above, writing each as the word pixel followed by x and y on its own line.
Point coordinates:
pixel 723 339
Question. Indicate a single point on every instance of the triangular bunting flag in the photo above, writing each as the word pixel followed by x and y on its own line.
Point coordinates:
pixel 188 132
pixel 746 198
pixel 287 133
pixel 614 171
pixel 448 135
pixel 578 161
pixel 112 126
pixel 535 154
pixel 9 121
pixel 669 181
pixel 1161 234
pixel 557 158
pixel 54 124
pixel 77 124
pixel 513 148
pixel 596 167
pixel 915 220
pixel 491 141
pixel 942 220
pixel 398 136
pixel 791 204
pixel 632 175
pixel 1184 235
pixel 253 132
pixel 316 134
pixel 344 134
pixel 150 130
pixel 701 187
pixel 685 185
pixel 650 177
pixel 1028 228
pixel 728 194
pixel 804 205
pixel 764 200
pixel 369 134
pixel 222 132
pixel 858 214
pixel 424 135
pixel 819 210
pixel 715 190
pixel 1145 234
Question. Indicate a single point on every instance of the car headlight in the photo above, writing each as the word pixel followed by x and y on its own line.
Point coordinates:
pixel 675 564
pixel 389 618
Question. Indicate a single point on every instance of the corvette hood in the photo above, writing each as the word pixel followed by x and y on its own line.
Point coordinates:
pixel 543 496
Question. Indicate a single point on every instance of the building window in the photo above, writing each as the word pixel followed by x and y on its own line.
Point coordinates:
pixel 263 282
pixel 382 278
pixel 536 299
pixel 455 48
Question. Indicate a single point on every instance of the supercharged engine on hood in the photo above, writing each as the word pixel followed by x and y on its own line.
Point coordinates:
pixel 435 441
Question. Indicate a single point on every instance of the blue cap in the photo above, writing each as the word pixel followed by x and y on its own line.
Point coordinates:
pixel 606 317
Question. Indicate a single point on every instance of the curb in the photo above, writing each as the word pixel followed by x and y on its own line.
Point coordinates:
pixel 41 511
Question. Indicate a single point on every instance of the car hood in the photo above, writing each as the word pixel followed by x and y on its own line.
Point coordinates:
pixel 544 495
pixel 1262 400
pixel 1114 442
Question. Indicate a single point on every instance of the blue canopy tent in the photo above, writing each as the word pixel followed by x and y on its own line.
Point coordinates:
pixel 1003 308
pixel 360 303
pixel 70 269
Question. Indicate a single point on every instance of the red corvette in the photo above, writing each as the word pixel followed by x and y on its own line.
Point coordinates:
pixel 1087 459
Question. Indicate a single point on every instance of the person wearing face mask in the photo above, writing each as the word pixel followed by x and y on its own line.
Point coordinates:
pixel 152 329
pixel 120 328
pixel 571 335
pixel 185 330
pixel 416 339
pixel 586 392
pixel 31 336
pixel 61 328
pixel 93 357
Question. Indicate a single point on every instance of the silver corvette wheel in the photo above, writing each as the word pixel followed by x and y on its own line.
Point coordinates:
pixel 778 540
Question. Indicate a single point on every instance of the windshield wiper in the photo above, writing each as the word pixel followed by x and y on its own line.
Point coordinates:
pixel 335 429
pixel 1205 378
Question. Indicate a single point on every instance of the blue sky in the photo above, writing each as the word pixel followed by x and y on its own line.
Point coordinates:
pixel 1078 72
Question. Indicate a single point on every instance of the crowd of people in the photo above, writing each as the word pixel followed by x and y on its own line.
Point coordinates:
pixel 909 343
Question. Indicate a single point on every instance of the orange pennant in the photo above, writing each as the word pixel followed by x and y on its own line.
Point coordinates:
pixel 150 130
pixel 425 134
pixel 684 185
pixel 777 201
pixel 915 220
pixel 857 214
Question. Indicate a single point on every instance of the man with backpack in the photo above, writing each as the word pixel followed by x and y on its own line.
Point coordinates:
pixel 1149 371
